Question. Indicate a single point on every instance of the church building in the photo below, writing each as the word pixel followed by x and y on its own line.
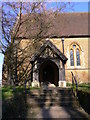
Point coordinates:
pixel 65 50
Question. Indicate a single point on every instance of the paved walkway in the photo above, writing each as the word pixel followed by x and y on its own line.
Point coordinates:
pixel 59 112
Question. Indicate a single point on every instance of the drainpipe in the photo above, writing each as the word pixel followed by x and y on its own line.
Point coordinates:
pixel 62 39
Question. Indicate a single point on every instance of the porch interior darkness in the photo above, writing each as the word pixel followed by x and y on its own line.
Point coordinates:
pixel 49 73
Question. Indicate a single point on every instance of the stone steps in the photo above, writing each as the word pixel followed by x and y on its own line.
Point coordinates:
pixel 51 92
pixel 48 104
pixel 52 97
pixel 39 100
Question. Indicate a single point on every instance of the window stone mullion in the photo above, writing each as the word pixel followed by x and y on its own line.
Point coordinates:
pixel 75 61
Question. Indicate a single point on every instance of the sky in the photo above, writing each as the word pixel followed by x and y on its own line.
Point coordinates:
pixel 81 7
pixel 78 7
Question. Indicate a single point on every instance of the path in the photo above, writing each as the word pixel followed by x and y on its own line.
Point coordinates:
pixel 54 103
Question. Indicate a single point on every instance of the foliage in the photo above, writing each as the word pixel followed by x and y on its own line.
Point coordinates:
pixel 15 68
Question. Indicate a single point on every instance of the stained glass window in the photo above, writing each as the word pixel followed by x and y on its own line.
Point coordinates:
pixel 78 57
pixel 71 57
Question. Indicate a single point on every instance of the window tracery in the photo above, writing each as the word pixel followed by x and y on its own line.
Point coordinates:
pixel 75 55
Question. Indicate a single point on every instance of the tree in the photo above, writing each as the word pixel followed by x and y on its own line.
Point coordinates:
pixel 12 20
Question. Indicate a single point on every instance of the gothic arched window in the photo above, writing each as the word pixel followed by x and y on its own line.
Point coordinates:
pixel 75 55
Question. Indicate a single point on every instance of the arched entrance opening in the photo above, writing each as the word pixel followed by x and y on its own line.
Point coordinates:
pixel 49 72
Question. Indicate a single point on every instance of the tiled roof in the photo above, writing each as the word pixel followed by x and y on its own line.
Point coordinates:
pixel 63 24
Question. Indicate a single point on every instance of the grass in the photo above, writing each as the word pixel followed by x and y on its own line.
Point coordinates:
pixel 14 102
pixel 8 92
pixel 68 84
pixel 83 87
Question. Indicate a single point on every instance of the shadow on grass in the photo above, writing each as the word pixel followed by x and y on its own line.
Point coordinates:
pixel 16 106
pixel 85 103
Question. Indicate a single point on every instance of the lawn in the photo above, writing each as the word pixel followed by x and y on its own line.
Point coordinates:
pixel 14 102
pixel 8 92
pixel 82 87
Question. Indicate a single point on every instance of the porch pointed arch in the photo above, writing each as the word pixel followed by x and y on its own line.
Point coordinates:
pixel 49 72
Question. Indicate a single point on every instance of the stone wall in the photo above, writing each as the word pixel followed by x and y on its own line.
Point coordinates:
pixel 81 72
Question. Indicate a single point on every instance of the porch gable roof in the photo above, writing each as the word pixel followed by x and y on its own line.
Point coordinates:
pixel 56 51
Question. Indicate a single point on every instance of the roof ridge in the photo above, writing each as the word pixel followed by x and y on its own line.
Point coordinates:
pixel 75 12
pixel 61 13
